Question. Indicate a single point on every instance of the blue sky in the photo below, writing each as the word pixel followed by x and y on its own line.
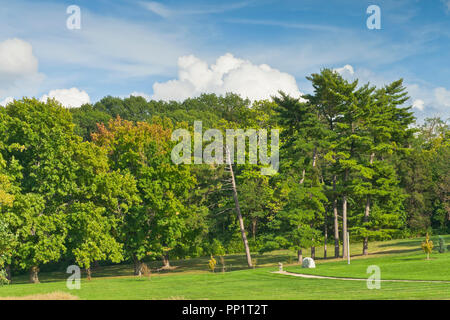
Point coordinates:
pixel 126 47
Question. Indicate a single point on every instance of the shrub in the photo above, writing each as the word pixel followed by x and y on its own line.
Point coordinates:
pixel 212 264
pixel 427 246
pixel 217 248
pixel 3 278
pixel 442 245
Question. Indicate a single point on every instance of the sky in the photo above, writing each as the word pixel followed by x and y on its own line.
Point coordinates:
pixel 173 49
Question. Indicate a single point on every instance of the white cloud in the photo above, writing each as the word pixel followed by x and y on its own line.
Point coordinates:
pixel 18 68
pixel 442 96
pixel 69 98
pixel 427 101
pixel 141 94
pixel 166 12
pixel 16 58
pixel 419 104
pixel 430 102
pixel 6 101
pixel 157 8
pixel 228 74
pixel 345 70
pixel 118 46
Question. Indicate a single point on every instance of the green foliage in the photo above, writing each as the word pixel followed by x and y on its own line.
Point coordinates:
pixel 212 264
pixel 3 278
pixel 217 248
pixel 97 183
pixel 160 223
pixel 8 243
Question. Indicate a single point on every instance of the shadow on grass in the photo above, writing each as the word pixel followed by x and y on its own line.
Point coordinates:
pixel 233 262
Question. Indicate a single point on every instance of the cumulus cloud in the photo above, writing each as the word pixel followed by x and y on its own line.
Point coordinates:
pixel 141 94
pixel 228 74
pixel 18 68
pixel 419 104
pixel 345 70
pixel 442 96
pixel 16 58
pixel 428 101
pixel 6 101
pixel 69 98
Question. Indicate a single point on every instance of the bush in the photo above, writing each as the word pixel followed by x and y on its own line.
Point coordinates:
pixel 212 264
pixel 427 246
pixel 442 245
pixel 3 278
pixel 217 248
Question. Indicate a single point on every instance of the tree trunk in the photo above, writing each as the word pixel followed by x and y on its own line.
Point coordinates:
pixel 300 256
pixel 238 210
pixel 34 274
pixel 8 273
pixel 344 221
pixel 89 273
pixel 166 261
pixel 366 215
pixel 314 157
pixel 137 266
pixel 313 253
pixel 325 239
pixel 254 221
pixel 303 176
pixel 366 219
pixel 336 222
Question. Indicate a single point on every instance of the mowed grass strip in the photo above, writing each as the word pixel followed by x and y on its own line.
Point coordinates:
pixel 47 296
pixel 257 284
pixel 401 259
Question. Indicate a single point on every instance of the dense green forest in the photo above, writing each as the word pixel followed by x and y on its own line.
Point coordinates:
pixel 96 184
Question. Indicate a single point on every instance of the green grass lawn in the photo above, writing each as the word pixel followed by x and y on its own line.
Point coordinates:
pixel 409 263
pixel 397 259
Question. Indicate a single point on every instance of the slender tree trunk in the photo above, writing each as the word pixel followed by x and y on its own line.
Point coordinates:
pixel 303 176
pixel 8 273
pixel 166 261
pixel 238 210
pixel 344 221
pixel 254 221
pixel 314 157
pixel 300 256
pixel 89 273
pixel 137 266
pixel 336 222
pixel 366 219
pixel 366 216
pixel 325 238
pixel 34 271
pixel 313 253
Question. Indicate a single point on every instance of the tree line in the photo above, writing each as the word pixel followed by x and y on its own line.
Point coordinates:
pixel 97 184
